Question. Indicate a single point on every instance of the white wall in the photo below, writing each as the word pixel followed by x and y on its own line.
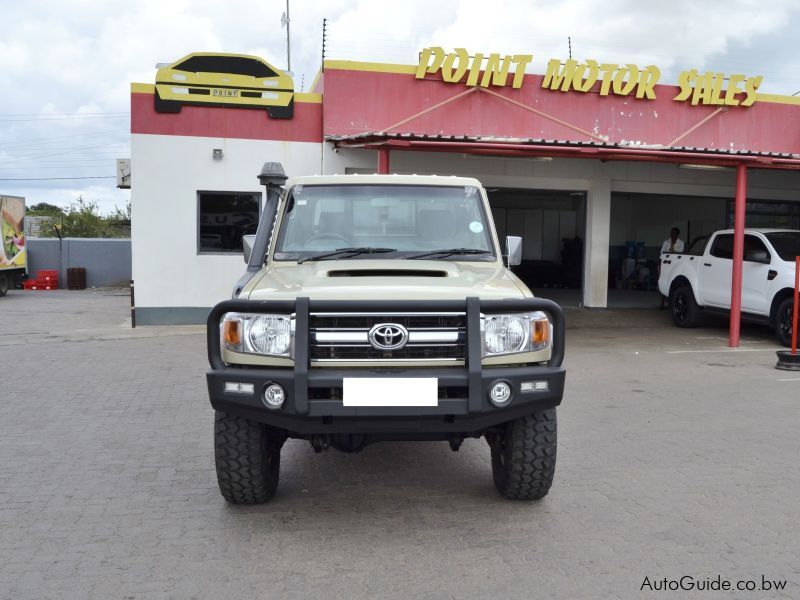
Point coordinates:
pixel 167 172
pixel 598 229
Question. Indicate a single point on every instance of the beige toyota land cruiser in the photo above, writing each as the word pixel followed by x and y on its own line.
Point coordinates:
pixel 381 308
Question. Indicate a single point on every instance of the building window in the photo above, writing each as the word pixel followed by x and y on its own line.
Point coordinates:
pixel 223 218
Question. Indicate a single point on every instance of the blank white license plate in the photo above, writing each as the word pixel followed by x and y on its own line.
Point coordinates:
pixel 391 391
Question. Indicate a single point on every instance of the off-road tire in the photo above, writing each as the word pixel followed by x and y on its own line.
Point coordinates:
pixel 683 307
pixel 4 284
pixel 783 321
pixel 248 459
pixel 524 457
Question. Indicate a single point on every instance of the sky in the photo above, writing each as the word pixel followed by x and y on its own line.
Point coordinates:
pixel 66 65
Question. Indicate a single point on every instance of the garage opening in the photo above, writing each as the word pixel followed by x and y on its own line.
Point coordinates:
pixel 552 225
pixel 640 224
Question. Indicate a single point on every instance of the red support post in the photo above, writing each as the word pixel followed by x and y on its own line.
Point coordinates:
pixel 738 255
pixel 383 161
pixel 794 306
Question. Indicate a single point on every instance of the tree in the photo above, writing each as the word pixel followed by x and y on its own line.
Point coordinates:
pixel 83 220
pixel 120 217
pixel 43 209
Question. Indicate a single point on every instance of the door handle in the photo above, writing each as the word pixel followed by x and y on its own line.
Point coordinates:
pixel 772 274
pixel 706 264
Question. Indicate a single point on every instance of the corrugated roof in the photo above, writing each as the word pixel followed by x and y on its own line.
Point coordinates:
pixel 378 136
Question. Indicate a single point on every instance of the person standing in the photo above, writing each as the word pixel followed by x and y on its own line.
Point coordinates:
pixel 672 244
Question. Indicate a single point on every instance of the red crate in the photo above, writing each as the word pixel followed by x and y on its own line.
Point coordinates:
pixel 29 284
pixel 47 275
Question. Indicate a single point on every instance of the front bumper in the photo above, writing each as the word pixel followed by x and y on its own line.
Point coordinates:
pixel 314 395
pixel 324 412
pixel 204 94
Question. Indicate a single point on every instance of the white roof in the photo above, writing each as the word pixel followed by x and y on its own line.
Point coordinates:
pixel 762 230
pixel 383 180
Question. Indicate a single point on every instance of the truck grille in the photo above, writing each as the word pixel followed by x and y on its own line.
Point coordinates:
pixel 431 336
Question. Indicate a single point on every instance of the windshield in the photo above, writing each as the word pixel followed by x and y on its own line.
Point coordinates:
pixel 399 220
pixel 786 243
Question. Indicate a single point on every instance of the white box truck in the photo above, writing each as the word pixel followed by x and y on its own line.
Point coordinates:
pixel 13 255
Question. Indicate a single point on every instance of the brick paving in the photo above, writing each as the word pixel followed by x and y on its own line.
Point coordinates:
pixel 676 457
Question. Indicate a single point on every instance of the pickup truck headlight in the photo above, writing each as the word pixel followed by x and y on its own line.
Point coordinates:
pixel 515 333
pixel 269 335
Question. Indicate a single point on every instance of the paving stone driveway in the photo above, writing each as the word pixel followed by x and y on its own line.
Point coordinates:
pixel 676 457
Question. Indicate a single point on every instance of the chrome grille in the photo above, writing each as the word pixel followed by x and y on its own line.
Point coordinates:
pixel 345 336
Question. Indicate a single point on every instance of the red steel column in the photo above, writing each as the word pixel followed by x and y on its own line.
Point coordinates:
pixel 796 303
pixel 383 161
pixel 738 255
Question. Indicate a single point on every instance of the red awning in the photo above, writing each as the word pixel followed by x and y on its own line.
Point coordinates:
pixel 521 147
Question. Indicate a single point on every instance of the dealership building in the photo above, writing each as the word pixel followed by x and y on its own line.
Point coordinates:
pixel 591 166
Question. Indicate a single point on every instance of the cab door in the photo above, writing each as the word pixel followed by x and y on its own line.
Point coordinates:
pixel 716 269
pixel 756 276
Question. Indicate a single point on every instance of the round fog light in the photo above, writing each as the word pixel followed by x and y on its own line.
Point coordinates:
pixel 274 396
pixel 500 393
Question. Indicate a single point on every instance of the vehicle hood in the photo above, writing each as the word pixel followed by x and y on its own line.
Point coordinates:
pixel 384 280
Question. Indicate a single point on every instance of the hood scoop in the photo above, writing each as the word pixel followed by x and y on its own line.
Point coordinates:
pixel 387 273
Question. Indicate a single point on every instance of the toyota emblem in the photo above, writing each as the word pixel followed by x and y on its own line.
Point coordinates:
pixel 388 336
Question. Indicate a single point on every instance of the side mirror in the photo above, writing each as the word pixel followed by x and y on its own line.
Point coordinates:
pixel 757 256
pixel 513 250
pixel 247 246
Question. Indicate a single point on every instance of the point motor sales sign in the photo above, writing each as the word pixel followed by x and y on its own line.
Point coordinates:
pixel 572 76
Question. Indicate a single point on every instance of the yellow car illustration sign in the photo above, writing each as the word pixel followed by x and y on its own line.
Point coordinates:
pixel 214 79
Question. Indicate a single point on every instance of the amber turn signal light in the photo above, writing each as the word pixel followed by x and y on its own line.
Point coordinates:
pixel 231 333
pixel 540 333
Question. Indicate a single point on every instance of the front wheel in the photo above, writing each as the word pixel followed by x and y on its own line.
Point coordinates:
pixel 524 456
pixel 682 305
pixel 248 459
pixel 783 321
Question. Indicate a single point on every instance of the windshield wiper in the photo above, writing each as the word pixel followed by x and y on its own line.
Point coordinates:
pixel 350 251
pixel 448 252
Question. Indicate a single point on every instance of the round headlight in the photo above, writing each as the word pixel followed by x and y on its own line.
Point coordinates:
pixel 505 333
pixel 269 335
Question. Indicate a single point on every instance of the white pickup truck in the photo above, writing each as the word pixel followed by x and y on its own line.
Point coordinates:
pixel 700 278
